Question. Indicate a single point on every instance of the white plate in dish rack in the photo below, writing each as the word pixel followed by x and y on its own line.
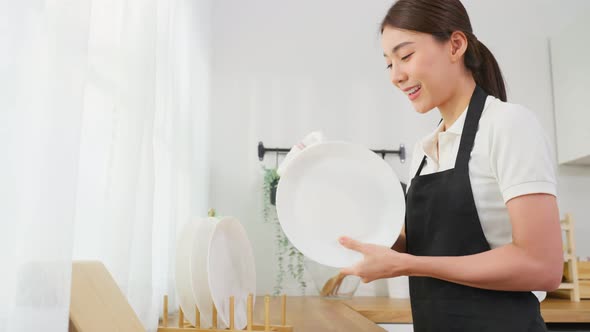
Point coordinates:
pixel 335 189
pixel 182 270
pixel 231 269
pixel 199 274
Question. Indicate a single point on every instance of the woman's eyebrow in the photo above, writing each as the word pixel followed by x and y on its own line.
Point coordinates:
pixel 396 48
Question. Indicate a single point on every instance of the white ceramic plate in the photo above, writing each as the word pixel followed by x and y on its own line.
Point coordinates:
pixel 335 189
pixel 199 276
pixel 183 270
pixel 231 270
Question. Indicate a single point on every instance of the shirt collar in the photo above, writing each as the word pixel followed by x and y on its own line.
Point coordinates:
pixel 430 143
pixel 457 126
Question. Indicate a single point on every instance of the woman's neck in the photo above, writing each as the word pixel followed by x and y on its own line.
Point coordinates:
pixel 452 108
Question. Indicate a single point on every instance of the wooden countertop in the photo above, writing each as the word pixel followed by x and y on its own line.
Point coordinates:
pixel 386 310
pixel 361 313
pixel 382 309
pixel 310 313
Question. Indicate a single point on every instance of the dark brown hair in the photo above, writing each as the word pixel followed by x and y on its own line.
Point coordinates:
pixel 441 18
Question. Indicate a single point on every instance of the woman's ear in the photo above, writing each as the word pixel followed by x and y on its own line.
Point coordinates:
pixel 458 42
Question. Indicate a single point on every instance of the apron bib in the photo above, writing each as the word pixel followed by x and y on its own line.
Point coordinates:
pixel 442 220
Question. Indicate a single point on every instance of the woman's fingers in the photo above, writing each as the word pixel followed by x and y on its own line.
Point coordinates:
pixel 352 244
pixel 347 271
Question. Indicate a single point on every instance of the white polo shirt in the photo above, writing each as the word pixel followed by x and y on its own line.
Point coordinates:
pixel 511 157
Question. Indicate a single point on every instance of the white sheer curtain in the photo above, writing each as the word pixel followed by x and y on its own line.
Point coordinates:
pixel 42 69
pixel 105 123
pixel 143 158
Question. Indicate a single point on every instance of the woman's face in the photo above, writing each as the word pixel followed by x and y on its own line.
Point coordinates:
pixel 420 66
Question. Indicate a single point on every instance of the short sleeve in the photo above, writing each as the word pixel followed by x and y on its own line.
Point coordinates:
pixel 521 157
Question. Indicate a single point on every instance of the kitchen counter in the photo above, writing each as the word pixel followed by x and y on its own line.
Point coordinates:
pixel 305 314
pixel 386 310
pixel 311 313
pixel 361 313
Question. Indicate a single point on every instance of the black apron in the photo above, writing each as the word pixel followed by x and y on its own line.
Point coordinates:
pixel 442 220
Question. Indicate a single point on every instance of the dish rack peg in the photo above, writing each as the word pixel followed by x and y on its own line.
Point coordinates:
pixel 184 326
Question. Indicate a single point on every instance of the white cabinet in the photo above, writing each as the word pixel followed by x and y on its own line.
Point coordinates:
pixel 570 62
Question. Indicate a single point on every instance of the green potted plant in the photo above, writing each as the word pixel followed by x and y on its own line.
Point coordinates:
pixel 289 259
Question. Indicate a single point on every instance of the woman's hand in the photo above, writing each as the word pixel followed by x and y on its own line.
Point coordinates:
pixel 378 262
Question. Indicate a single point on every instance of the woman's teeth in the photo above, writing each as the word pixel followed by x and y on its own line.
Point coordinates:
pixel 414 90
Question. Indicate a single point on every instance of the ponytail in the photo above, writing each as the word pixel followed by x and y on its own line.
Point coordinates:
pixel 485 68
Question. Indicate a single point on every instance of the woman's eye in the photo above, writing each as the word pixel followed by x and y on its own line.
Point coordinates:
pixel 407 57
pixel 389 66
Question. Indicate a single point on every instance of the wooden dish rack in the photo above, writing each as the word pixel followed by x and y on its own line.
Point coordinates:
pixel 570 287
pixel 184 326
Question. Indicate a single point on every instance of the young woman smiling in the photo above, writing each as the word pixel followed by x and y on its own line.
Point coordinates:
pixel 482 224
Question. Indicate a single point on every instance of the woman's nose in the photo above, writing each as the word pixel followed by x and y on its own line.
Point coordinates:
pixel 397 75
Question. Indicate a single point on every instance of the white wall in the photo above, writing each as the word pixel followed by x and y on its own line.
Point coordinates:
pixel 284 68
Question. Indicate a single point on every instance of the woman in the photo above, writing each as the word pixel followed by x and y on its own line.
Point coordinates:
pixel 482 224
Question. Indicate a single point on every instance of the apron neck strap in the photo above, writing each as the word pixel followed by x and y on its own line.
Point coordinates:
pixel 476 105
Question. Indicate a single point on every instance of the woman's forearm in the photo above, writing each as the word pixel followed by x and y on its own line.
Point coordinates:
pixel 505 268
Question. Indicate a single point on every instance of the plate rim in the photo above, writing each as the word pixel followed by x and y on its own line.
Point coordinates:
pixel 188 230
pixel 231 219
pixel 322 145
pixel 206 319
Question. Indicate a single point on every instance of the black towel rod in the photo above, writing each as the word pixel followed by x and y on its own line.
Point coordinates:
pixel 262 150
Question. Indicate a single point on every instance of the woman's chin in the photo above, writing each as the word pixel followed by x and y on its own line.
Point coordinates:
pixel 422 109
